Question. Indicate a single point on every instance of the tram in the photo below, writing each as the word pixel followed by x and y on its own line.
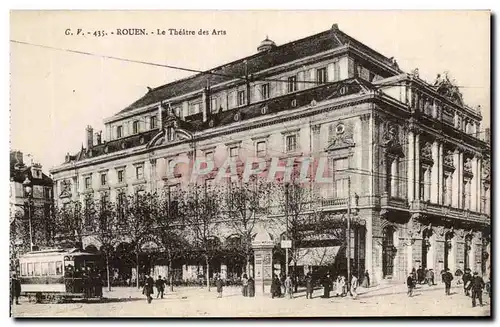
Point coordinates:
pixel 60 274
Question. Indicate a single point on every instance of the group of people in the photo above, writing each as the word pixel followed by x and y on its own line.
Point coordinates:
pixel 473 286
pixel 150 283
pixel 473 283
pixel 341 286
pixel 247 289
pixel 282 287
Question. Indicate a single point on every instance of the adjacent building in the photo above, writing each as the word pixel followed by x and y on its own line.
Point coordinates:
pixel 415 154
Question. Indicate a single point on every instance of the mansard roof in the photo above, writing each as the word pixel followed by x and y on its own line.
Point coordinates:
pixel 324 41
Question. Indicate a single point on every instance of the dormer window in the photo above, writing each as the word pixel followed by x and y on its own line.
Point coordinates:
pixel 321 76
pixel 292 84
pixel 135 127
pixel 119 131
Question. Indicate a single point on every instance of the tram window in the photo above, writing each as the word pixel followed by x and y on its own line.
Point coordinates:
pixel 52 268
pixel 45 268
pixel 30 269
pixel 23 269
pixel 37 269
pixel 58 267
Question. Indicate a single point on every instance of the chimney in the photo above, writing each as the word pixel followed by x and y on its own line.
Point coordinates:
pixel 335 27
pixel 90 137
pixel 17 157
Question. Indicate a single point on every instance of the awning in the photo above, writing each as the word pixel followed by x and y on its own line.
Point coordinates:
pixel 323 256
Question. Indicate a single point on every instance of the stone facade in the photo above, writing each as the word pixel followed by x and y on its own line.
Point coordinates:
pixel 414 155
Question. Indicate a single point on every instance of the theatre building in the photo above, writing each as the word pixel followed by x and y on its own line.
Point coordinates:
pixel 415 155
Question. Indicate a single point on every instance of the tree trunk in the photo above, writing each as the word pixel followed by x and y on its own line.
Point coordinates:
pixel 137 268
pixel 208 273
pixel 248 264
pixel 170 273
pixel 107 272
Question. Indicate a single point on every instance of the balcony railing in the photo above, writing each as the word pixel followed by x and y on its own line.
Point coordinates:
pixel 334 202
pixel 449 211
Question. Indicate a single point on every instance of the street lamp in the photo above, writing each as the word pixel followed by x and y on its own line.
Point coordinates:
pixel 29 192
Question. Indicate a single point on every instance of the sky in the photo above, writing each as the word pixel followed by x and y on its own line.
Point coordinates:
pixel 55 94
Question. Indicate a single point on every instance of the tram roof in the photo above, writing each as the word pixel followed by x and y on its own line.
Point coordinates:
pixel 73 252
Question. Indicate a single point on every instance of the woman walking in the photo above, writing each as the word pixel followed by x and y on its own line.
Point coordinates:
pixel 244 282
pixel 219 284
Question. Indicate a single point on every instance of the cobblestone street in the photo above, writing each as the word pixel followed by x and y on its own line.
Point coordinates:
pixel 385 300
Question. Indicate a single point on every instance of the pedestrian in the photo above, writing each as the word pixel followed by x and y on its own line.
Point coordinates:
pixel 467 279
pixel 410 283
pixel 282 285
pixel 458 274
pixel 289 287
pixel 431 272
pixel 339 286
pixel 476 286
pixel 148 287
pixel 420 275
pixel 160 287
pixel 219 284
pixel 275 287
pixel 447 278
pixel 414 274
pixel 343 282
pixel 354 286
pixel 251 287
pixel 366 280
pixel 15 289
pixel 327 283
pixel 427 276
pixel 244 282
pixel 295 283
pixel 309 286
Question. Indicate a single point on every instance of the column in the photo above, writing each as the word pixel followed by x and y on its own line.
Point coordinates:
pixel 473 186
pixel 417 166
pixel 394 178
pixel 330 72
pixel 301 78
pixel 369 245
pixel 455 201
pixel 440 175
pixel 370 153
pixel 411 167
pixel 431 250
pixel 452 255
pixel 434 172
pixel 461 181
pixel 478 183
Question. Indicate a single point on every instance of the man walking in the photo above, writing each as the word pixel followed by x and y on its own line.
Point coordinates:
pixel 410 284
pixel 309 286
pixel 476 285
pixel 447 278
pixel 467 278
pixel 160 287
pixel 148 288
pixel 354 286
pixel 15 289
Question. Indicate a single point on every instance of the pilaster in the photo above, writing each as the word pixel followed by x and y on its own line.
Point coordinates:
pixel 411 166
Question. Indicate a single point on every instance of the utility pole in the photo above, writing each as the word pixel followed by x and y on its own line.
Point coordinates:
pixel 348 230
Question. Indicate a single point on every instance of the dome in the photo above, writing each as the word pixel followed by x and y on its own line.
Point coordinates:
pixel 266 45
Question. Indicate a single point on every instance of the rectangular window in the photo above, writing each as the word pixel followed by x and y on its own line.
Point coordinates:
pixel 121 175
pixel 233 152
pixel 341 164
pixel 30 269
pixel 264 91
pixel 321 76
pixel 59 270
pixel 52 268
pixel 152 122
pixel 88 183
pixel 261 149
pixel 139 172
pixel 23 269
pixel 45 268
pixel 36 270
pixel 135 127
pixel 209 183
pixel 119 131
pixel 291 143
pixel 292 84
pixel 214 105
pixel 241 98
pixel 104 179
pixel 194 108
pixel 209 156
pixel 341 188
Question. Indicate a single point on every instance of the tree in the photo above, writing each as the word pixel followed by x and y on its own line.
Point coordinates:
pixel 168 227
pixel 202 212
pixel 243 204
pixel 70 225
pixel 106 231
pixel 140 209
